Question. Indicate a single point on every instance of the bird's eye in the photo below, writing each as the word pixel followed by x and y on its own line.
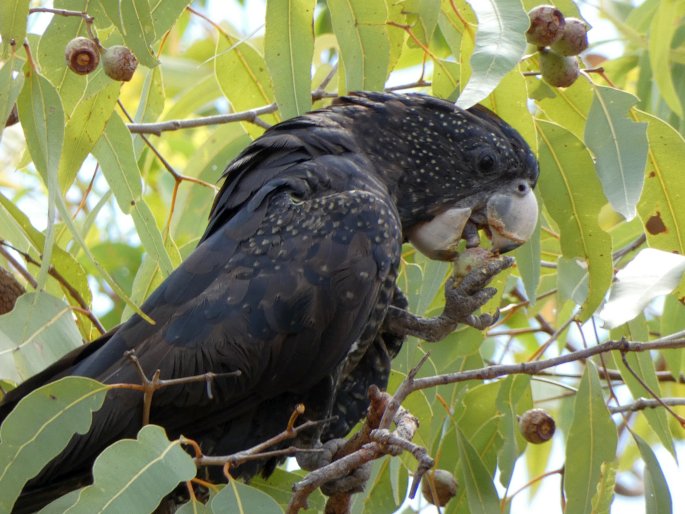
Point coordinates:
pixel 486 162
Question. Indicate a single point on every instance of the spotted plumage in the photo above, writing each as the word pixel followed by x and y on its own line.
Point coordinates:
pixel 292 280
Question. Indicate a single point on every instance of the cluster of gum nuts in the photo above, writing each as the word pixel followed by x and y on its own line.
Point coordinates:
pixel 439 486
pixel 558 40
pixel 83 56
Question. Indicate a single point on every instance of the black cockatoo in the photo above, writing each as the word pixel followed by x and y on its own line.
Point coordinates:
pixel 294 280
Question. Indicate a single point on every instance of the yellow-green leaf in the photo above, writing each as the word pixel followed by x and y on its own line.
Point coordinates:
pixel 360 26
pixel 243 77
pixel 83 129
pixel 661 32
pixel 288 50
pixel 661 204
pixel 573 197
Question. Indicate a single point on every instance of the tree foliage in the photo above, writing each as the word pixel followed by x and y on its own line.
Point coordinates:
pixel 105 187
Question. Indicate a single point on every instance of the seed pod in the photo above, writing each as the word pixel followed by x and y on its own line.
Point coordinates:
pixel 445 484
pixel 10 290
pixel 546 24
pixel 557 70
pixel 573 39
pixel 536 426
pixel 82 55
pixel 470 259
pixel 119 63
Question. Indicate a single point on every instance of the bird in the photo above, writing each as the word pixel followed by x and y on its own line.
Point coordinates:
pixel 289 293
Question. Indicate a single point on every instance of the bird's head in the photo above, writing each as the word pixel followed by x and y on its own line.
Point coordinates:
pixel 451 171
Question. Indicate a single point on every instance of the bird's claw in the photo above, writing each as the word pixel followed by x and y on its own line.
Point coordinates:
pixel 463 298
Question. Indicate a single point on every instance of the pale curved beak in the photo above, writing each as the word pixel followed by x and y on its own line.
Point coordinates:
pixel 512 217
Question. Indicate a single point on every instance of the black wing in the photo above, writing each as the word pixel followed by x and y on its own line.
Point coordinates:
pixel 298 252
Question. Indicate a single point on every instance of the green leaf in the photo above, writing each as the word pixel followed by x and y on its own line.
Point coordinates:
pixel 478 421
pixel 40 426
pixel 591 442
pixel 279 486
pixel 150 236
pixel 661 32
pixel 134 475
pixel 13 18
pixel 657 494
pixel 240 498
pixel 568 106
pixel 643 366
pixel 242 75
pixel 500 44
pixel 480 490
pixel 672 321
pixel 573 197
pixel 513 397
pixel 362 35
pixel 620 148
pixel 660 207
pixel 165 13
pixel 288 50
pixel 422 15
pixel 64 263
pixel 83 129
pixel 42 119
pixel 380 495
pixel 72 87
pixel 11 82
pixel 604 496
pixel 115 154
pixel 194 506
pixel 134 20
pixel 38 331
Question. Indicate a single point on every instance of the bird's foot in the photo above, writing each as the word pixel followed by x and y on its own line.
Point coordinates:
pixel 351 483
pixel 462 300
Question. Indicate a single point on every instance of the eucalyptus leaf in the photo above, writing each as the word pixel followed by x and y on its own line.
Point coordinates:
pixel 40 426
pixel 620 147
pixel 134 475
pixel 37 332
pixel 572 195
pixel 591 443
pixel 500 45
pixel 288 49
pixel 657 494
pixel 362 35
pixel 652 273
pixel 13 19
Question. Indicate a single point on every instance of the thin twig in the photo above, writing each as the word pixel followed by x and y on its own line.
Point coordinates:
pixel 647 403
pixel 217 119
pixel 52 271
pixel 656 397
pixel 531 367
pixel 150 386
